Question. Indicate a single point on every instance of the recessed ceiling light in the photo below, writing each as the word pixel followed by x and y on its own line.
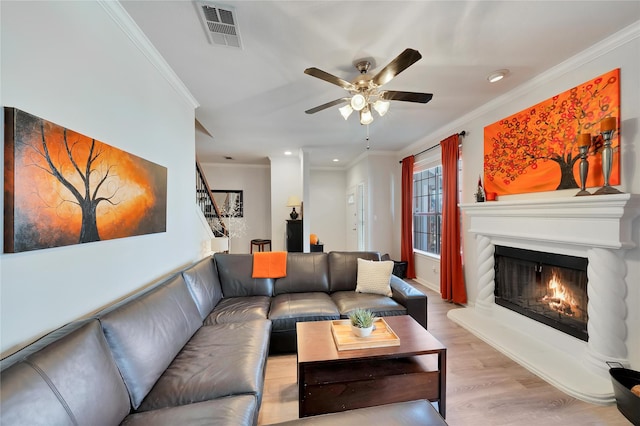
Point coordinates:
pixel 335 160
pixel 497 75
pixel 287 153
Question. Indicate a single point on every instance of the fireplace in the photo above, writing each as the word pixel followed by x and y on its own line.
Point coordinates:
pixel 547 287
pixel 594 232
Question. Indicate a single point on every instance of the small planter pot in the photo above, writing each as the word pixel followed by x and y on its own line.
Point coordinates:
pixel 361 332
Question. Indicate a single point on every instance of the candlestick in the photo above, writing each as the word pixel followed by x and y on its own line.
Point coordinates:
pixel 608 127
pixel 583 167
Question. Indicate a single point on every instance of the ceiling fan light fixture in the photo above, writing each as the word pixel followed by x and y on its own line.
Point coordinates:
pixel 345 111
pixel 358 102
pixel 364 93
pixel 381 107
pixel 365 116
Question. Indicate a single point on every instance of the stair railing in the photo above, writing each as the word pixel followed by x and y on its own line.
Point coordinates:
pixel 206 202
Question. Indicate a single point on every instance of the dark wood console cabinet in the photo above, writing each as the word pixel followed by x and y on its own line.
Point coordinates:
pixel 294 235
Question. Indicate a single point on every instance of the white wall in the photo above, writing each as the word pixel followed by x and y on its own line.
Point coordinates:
pixel 254 181
pixel 380 172
pixel 286 180
pixel 307 200
pixel 328 215
pixel 427 270
pixel 324 207
pixel 619 51
pixel 358 173
pixel 72 64
pixel 384 216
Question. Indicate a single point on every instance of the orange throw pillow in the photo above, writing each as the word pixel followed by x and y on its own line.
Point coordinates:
pixel 269 264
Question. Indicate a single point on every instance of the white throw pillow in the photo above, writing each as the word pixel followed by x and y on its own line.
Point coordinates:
pixel 374 277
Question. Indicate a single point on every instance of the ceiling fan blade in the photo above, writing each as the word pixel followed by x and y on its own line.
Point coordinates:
pixel 327 105
pixel 395 67
pixel 393 95
pixel 323 75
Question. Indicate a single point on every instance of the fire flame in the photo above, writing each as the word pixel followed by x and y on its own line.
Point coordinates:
pixel 560 299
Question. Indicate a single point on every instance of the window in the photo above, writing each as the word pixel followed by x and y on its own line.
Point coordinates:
pixel 427 209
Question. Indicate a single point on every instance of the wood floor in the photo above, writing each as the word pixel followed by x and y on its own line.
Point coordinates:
pixel 484 387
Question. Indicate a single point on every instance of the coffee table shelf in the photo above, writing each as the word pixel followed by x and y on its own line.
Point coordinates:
pixel 331 380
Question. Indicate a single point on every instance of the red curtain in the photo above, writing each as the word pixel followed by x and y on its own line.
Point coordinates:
pixel 406 233
pixel 451 278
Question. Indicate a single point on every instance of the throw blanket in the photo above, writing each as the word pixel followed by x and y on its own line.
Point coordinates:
pixel 269 264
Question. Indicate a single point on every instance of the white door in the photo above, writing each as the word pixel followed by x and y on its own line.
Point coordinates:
pixel 352 220
pixel 361 214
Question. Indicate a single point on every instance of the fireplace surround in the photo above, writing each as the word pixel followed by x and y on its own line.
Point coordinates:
pixel 597 228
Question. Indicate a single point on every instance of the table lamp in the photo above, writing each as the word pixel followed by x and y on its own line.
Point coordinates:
pixel 219 244
pixel 293 201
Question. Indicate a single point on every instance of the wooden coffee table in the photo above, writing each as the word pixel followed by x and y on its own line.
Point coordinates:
pixel 330 380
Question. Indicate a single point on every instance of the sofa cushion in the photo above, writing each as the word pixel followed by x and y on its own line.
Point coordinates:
pixel 240 309
pixel 306 272
pixel 382 306
pixel 289 308
pixel 219 360
pixel 59 379
pixel 235 272
pixel 232 410
pixel 343 268
pixel 27 399
pixel 373 277
pixel 204 285
pixel 147 332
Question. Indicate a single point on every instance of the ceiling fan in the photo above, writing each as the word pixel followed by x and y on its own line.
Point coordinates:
pixel 365 88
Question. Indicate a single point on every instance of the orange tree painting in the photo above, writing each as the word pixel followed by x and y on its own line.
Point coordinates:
pixel 65 188
pixel 537 150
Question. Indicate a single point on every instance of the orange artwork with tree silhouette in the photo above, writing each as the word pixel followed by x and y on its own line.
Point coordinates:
pixel 63 188
pixel 537 149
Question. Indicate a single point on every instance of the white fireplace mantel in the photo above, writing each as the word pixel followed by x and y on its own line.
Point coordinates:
pixel 596 221
pixel 596 227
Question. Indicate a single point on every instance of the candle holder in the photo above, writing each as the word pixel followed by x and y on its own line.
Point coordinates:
pixel 584 170
pixel 607 162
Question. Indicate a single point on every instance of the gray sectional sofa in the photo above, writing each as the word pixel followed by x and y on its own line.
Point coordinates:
pixel 191 349
pixel 318 286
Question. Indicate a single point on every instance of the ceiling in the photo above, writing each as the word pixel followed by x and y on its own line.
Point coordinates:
pixel 252 100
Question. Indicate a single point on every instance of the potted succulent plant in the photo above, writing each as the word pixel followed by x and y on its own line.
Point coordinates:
pixel 362 322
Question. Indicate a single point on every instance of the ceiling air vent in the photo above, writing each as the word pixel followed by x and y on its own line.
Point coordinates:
pixel 220 24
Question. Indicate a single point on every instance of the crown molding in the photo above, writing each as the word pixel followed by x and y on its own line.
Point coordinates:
pixel 595 51
pixel 236 165
pixel 115 10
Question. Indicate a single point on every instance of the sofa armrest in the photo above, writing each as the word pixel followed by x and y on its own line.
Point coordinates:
pixel 411 298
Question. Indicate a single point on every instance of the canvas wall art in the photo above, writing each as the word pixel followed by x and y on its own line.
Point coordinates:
pixel 537 149
pixel 63 188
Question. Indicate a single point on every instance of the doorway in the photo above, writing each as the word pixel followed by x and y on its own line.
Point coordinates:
pixel 356 222
pixel 352 222
pixel 360 216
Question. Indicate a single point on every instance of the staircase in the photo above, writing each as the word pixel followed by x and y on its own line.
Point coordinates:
pixel 206 202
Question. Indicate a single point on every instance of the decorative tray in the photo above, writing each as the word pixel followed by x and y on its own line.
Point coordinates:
pixel 381 336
